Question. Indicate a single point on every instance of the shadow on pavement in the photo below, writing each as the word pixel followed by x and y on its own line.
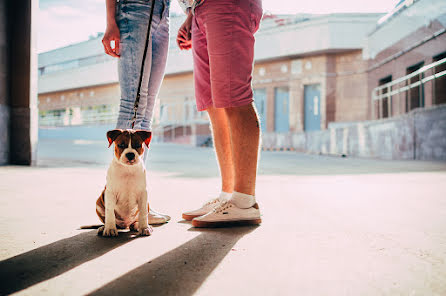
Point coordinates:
pixel 180 271
pixel 25 270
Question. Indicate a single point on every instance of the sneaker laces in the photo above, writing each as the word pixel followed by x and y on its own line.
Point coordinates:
pixel 212 201
pixel 222 207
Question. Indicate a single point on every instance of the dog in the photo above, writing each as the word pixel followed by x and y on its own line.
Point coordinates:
pixel 123 203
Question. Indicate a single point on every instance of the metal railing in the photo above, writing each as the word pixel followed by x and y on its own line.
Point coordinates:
pixel 86 118
pixel 174 115
pixel 394 88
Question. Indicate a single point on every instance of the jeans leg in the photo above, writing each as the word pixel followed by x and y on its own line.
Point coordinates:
pixel 160 46
pixel 132 21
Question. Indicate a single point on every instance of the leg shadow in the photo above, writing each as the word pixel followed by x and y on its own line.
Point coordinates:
pixel 180 271
pixel 24 270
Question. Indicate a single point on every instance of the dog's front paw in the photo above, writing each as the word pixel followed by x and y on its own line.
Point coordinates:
pixel 145 231
pixel 110 231
pixel 101 230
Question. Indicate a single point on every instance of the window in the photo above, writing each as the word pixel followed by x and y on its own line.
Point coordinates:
pixel 385 104
pixel 415 95
pixel 439 84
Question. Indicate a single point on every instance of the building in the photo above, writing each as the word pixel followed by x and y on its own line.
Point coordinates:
pixel 407 46
pixel 322 83
pixel 295 62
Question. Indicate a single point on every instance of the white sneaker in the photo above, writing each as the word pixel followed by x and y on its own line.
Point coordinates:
pixel 227 214
pixel 157 218
pixel 206 208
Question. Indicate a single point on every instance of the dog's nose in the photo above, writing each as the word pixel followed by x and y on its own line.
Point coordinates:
pixel 130 156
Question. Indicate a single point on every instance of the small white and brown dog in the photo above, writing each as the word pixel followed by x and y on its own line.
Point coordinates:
pixel 123 203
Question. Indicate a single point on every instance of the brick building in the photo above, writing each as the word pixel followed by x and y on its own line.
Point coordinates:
pixel 407 40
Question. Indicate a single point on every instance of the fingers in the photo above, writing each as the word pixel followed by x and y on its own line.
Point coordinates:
pixel 182 38
pixel 186 45
pixel 106 45
pixel 117 50
pixel 183 33
pixel 108 49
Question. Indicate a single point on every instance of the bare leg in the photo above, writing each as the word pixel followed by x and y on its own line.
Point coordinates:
pixel 222 144
pixel 245 137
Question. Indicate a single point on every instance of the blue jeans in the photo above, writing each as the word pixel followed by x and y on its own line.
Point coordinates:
pixel 132 18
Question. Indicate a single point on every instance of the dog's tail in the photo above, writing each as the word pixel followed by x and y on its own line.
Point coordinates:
pixel 94 226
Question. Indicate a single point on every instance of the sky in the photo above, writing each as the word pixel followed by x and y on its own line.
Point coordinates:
pixel 63 22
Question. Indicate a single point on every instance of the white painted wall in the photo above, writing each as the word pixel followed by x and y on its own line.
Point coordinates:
pixel 97 74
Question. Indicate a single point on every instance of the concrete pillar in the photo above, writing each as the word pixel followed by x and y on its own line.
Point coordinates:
pixel 4 86
pixel 18 45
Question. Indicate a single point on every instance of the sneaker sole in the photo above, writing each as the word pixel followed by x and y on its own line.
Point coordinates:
pixel 203 224
pixel 190 217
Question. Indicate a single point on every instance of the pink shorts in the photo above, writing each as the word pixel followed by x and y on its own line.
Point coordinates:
pixel 223 50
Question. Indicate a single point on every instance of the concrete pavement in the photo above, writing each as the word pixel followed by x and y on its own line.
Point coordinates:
pixel 332 226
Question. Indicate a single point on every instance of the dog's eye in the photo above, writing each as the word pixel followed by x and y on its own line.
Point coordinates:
pixel 122 146
pixel 136 145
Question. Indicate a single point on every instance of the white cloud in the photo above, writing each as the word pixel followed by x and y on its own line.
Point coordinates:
pixel 61 24
pixel 63 11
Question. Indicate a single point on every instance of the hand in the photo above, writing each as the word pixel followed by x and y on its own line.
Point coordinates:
pixel 183 43
pixel 111 34
pixel 184 37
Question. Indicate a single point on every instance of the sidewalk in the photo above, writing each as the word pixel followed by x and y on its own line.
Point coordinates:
pixel 338 232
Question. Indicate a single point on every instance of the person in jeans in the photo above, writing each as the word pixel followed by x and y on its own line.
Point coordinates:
pixel 124 38
pixel 221 35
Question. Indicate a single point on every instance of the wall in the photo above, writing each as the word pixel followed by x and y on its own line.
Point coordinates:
pixel 420 134
pixel 81 97
pixel 352 94
pixel 343 80
pixel 175 90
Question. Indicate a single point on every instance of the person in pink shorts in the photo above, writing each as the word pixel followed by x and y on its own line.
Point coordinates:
pixel 221 35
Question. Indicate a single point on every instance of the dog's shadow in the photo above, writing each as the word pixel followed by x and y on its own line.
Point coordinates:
pixel 180 271
pixel 27 269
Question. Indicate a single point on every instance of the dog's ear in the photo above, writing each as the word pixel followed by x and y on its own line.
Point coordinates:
pixel 145 136
pixel 112 135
